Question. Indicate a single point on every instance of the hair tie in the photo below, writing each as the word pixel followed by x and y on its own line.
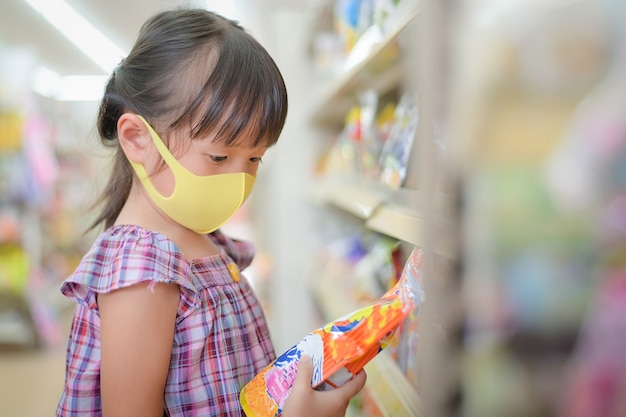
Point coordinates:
pixel 117 68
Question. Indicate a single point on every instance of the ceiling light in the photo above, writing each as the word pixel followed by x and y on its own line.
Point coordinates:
pixel 68 88
pixel 80 32
pixel 224 8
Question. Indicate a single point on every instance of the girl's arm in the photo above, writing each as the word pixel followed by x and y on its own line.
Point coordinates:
pixel 137 330
pixel 304 401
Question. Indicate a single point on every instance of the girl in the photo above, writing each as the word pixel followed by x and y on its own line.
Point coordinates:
pixel 165 323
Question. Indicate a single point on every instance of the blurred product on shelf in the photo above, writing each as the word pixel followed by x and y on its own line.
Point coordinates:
pixel 366 266
pixel 375 144
pixel 348 30
pixel 14 269
pixel 10 130
pixel 396 150
pixel 40 219
pixel 587 178
pixel 533 130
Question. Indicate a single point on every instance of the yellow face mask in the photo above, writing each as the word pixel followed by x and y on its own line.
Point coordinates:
pixel 199 203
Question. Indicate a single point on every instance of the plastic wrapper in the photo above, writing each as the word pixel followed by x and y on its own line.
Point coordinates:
pixel 340 349
pixel 395 153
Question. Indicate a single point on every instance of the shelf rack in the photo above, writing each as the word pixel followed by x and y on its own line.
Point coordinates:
pixel 409 214
pixel 374 71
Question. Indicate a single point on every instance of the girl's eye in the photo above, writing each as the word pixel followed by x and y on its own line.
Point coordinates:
pixel 256 159
pixel 215 158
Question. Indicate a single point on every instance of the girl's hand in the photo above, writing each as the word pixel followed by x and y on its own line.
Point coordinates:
pixel 305 401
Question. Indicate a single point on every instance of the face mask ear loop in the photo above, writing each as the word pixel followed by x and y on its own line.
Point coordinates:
pixel 163 151
pixel 165 154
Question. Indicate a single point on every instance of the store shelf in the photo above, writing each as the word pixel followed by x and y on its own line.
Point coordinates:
pixel 392 393
pixel 403 224
pixel 381 66
pixel 374 71
pixel 396 222
pixel 394 213
pixel 357 198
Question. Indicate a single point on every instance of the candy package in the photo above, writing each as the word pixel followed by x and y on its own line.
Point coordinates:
pixel 340 349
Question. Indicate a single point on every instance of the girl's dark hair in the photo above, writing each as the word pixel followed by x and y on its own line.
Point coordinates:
pixel 190 68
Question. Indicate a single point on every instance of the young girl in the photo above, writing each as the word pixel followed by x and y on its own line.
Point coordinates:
pixel 165 323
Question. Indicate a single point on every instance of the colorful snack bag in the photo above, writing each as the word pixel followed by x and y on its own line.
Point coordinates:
pixel 340 349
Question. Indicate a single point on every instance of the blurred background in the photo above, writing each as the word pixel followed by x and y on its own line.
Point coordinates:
pixel 490 134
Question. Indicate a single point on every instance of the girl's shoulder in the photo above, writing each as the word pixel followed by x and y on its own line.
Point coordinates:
pixel 240 251
pixel 125 255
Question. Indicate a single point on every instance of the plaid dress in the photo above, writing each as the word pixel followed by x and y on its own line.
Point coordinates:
pixel 221 338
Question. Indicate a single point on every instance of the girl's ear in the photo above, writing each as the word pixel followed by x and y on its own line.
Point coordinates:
pixel 134 137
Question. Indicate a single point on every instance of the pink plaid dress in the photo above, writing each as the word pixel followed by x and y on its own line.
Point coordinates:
pixel 221 338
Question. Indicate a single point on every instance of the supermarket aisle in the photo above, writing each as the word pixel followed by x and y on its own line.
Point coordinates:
pixel 31 381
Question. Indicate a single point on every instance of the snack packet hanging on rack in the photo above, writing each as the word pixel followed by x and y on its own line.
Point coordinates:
pixel 340 349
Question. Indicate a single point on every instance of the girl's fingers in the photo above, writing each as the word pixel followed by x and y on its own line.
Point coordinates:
pixel 352 387
pixel 348 390
pixel 305 371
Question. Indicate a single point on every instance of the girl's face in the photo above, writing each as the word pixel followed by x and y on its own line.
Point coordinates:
pixel 204 157
pixel 207 158
pixel 199 187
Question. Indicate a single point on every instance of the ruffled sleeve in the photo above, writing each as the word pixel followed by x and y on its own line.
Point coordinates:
pixel 127 255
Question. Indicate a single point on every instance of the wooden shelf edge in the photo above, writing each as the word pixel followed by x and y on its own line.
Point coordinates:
pixel 360 201
pixel 390 212
pixel 397 223
pixel 400 223
pixel 389 388
pixel 358 204
pixel 344 98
